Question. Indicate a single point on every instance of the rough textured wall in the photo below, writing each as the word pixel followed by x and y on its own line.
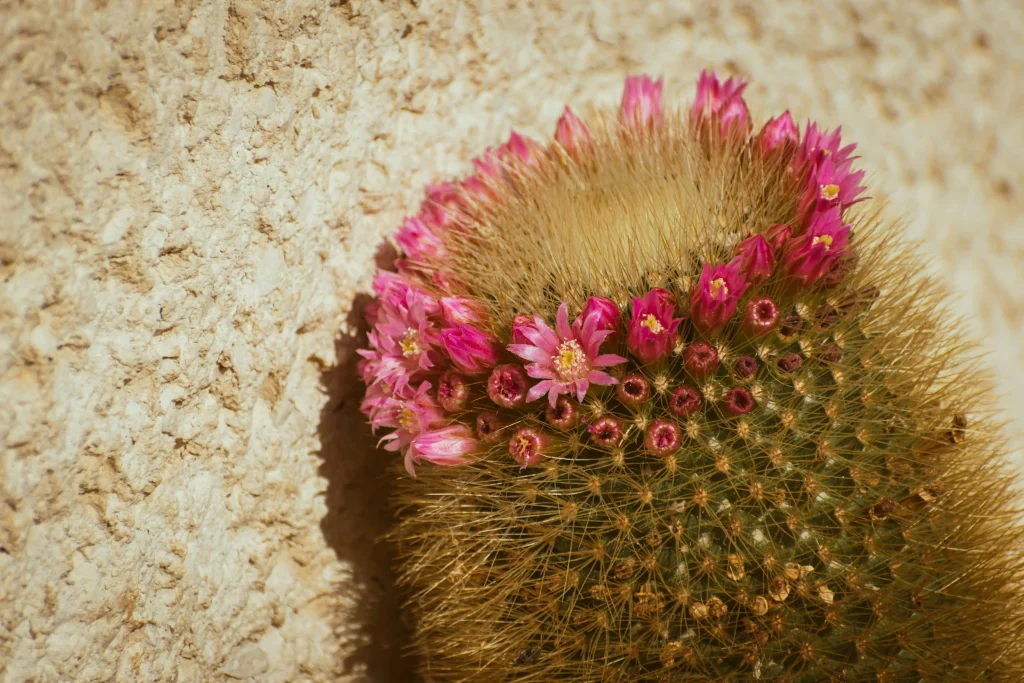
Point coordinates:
pixel 193 194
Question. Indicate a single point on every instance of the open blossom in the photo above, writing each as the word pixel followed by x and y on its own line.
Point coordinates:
pixel 809 256
pixel 831 185
pixel 403 340
pixel 399 292
pixel 408 415
pixel 420 241
pixel 446 446
pixel 723 101
pixel 462 310
pixel 716 296
pixel 755 259
pixel 779 131
pixel 641 101
pixel 818 144
pixel 471 349
pixel 652 329
pixel 565 359
pixel 571 133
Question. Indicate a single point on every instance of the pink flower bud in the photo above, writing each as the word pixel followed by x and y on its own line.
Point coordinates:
pixel 700 360
pixel 446 446
pixel 564 414
pixel 663 438
pixel 571 133
pixel 738 401
pixel 459 310
pixel 754 257
pixel 489 426
pixel 809 256
pixel 715 298
pixel 745 367
pixel 685 401
pixel 633 389
pixel 607 315
pixel 453 391
pixel 471 349
pixel 778 235
pixel 720 102
pixel 641 102
pixel 441 205
pixel 519 324
pixel 778 132
pixel 419 241
pixel 652 329
pixel 606 432
pixel 528 446
pixel 507 386
pixel 788 363
pixel 519 148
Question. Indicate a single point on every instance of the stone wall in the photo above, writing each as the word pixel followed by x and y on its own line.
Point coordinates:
pixel 193 195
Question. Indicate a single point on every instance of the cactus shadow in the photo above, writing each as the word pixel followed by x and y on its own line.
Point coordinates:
pixel 358 515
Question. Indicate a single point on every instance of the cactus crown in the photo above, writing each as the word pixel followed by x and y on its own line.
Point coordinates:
pixel 694 414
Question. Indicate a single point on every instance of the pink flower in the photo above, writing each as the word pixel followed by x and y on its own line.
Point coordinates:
pixel 402 342
pixel 819 144
pixel 652 329
pixel 721 101
pixel 398 291
pixel 519 325
pixel 420 242
pixel 446 446
pixel 471 349
pixel 441 205
pixel 460 310
pixel 565 359
pixel 831 185
pixel 607 315
pixel 779 132
pixel 507 386
pixel 754 257
pixel 808 257
pixel 714 300
pixel 519 148
pixel 571 133
pixel 641 102
pixel 528 446
pixel 409 417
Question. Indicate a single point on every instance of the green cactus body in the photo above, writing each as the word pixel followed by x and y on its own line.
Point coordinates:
pixel 807 491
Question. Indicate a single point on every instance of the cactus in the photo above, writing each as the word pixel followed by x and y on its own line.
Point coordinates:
pixel 679 406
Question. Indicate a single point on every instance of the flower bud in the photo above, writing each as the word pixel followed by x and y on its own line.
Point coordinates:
pixel 452 391
pixel 419 241
pixel 605 312
pixel 700 360
pixel 778 235
pixel 755 259
pixel 738 401
pixel 565 414
pixel 489 426
pixel 507 386
pixel 459 310
pixel 663 438
pixel 633 389
pixel 760 317
pixel 641 102
pixel 685 401
pixel 571 133
pixel 446 446
pixel 471 349
pixel 778 132
pixel 789 363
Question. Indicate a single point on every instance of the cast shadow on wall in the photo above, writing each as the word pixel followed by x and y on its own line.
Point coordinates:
pixel 359 486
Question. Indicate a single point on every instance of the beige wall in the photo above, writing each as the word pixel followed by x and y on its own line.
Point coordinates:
pixel 193 194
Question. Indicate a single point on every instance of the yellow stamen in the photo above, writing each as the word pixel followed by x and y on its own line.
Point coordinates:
pixel 652 323
pixel 823 239
pixel 830 191
pixel 571 362
pixel 718 289
pixel 410 343
pixel 407 419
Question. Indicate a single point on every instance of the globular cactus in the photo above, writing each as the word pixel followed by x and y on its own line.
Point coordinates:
pixel 684 408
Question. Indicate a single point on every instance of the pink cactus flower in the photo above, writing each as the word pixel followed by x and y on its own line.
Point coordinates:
pixel 460 310
pixel 528 446
pixel 447 446
pixel 399 292
pixel 565 359
pixel 831 185
pixel 409 417
pixel 403 340
pixel 779 132
pixel 652 329
pixel 520 148
pixel 519 325
pixel 723 101
pixel 471 349
pixel 809 256
pixel 716 296
pixel 754 257
pixel 441 205
pixel 641 102
pixel 819 144
pixel 419 241
pixel 571 133
pixel 778 235
pixel 607 314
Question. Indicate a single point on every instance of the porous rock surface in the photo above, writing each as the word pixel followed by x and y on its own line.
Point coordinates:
pixel 194 195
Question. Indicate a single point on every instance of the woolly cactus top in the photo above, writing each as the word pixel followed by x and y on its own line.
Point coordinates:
pixel 679 407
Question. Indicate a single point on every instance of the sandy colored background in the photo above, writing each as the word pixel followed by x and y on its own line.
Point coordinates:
pixel 193 194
